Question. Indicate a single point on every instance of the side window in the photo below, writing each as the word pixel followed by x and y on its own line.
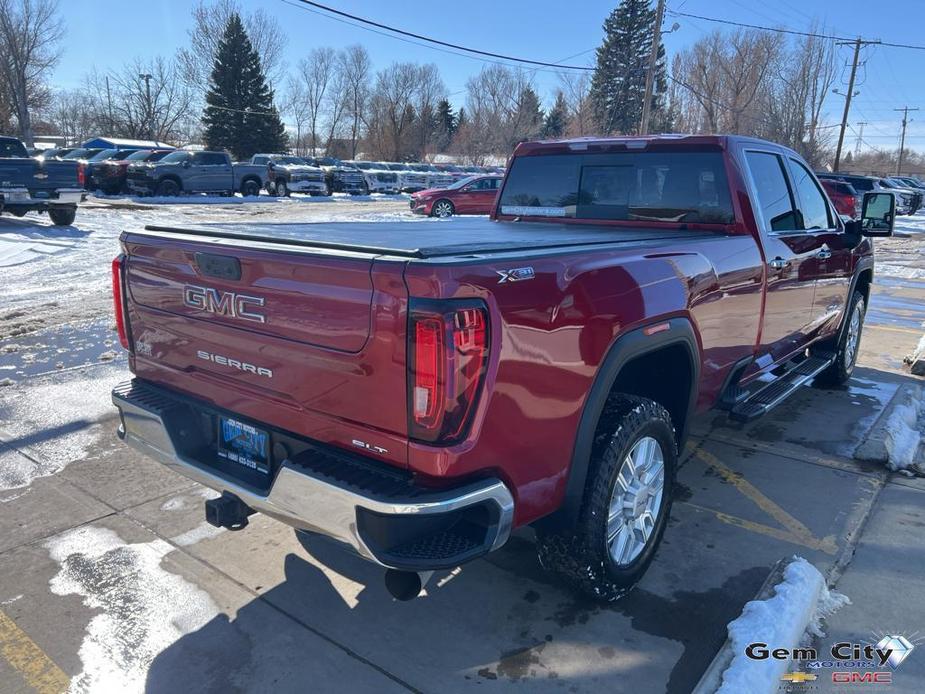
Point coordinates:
pixel 773 191
pixel 209 159
pixel 813 208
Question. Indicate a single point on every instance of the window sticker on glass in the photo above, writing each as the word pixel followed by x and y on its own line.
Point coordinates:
pixel 523 210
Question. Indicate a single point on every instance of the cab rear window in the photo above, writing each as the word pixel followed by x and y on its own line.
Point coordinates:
pixel 633 186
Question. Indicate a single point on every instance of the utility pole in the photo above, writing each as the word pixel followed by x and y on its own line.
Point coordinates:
pixel 147 79
pixel 854 70
pixel 650 73
pixel 902 139
pixel 109 106
pixel 860 139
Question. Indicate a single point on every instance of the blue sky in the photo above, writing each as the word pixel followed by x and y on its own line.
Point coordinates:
pixel 536 29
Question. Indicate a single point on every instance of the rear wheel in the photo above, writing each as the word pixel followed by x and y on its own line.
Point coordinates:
pixel 250 188
pixel 626 502
pixel 849 343
pixel 168 188
pixel 282 190
pixel 443 208
pixel 62 216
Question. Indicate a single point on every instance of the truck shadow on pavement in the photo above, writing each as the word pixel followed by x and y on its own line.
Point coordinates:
pixel 474 626
pixel 32 228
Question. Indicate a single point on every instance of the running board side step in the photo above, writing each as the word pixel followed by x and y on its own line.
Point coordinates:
pixel 769 397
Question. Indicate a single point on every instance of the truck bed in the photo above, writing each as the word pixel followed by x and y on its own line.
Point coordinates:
pixel 434 239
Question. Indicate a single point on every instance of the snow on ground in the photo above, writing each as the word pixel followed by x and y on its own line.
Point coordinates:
pixel 786 620
pixel 53 421
pixel 141 608
pixel 903 430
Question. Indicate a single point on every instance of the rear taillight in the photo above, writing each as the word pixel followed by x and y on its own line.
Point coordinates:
pixel 448 356
pixel 117 300
pixel 81 175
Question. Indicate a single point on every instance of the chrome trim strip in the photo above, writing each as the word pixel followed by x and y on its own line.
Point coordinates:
pixel 301 500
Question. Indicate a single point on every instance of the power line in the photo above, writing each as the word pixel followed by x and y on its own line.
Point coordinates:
pixel 438 42
pixel 793 32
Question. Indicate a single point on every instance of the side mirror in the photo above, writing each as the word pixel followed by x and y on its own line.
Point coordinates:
pixel 186 163
pixel 877 214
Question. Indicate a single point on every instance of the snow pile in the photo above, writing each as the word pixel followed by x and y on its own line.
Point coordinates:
pixel 916 360
pixel 141 608
pixel 786 620
pixel 903 435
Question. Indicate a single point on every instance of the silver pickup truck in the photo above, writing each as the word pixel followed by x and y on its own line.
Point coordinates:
pixel 196 172
pixel 34 185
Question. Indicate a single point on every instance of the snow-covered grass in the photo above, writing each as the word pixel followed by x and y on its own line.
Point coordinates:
pixel 788 619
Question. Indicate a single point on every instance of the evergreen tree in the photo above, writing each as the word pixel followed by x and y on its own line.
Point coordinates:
pixel 461 119
pixel 556 118
pixel 619 82
pixel 240 115
pixel 446 119
pixel 529 116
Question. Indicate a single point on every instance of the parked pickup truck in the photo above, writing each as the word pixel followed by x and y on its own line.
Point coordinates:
pixel 417 393
pixel 196 172
pixel 288 174
pixel 35 185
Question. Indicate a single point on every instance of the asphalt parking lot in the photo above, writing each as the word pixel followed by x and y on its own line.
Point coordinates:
pixel 112 581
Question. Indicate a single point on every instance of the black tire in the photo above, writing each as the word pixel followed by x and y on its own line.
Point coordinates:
pixel 250 188
pixel 282 190
pixel 442 208
pixel 167 188
pixel 62 216
pixel 581 555
pixel 848 346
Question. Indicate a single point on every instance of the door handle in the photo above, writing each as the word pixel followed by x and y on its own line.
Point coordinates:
pixel 779 264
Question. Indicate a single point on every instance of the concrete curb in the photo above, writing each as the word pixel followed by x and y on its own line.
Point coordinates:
pixel 712 678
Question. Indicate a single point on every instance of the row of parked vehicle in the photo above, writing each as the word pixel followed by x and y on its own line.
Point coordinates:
pixel 846 191
pixel 167 172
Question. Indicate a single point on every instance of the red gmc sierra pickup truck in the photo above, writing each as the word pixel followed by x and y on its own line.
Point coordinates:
pixel 418 390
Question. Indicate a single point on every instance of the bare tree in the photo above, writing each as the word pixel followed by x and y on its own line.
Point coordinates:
pixel 315 74
pixel 391 111
pixel 355 66
pixel 75 115
pixel 157 109
pixel 429 90
pixel 29 34
pixel 296 105
pixel 209 22
pixel 576 88
pixel 501 105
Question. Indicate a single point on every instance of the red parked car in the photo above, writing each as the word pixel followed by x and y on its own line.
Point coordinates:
pixel 417 394
pixel 843 196
pixel 472 195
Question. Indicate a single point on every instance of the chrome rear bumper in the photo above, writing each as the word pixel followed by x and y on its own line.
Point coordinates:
pixel 314 492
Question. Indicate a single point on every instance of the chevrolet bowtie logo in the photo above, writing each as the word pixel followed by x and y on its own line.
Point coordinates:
pixel 41 175
pixel 797 677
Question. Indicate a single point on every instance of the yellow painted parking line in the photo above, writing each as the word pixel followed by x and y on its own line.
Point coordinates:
pixel 794 531
pixel 38 670
pixel 889 328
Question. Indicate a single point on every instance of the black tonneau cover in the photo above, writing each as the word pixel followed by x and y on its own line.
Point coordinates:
pixel 433 238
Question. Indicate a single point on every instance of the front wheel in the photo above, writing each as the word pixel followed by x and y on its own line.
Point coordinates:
pixel 62 216
pixel 626 502
pixel 282 191
pixel 443 208
pixel 168 188
pixel 849 343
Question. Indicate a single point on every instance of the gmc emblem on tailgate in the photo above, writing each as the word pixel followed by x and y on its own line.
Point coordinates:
pixel 223 303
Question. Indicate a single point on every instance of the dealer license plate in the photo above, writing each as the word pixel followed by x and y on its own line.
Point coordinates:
pixel 244 444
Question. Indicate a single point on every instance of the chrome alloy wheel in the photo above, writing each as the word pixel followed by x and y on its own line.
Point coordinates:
pixel 635 501
pixel 443 208
pixel 854 334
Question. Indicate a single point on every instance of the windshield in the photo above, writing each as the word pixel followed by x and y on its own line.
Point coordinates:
pixel 175 156
pixel 365 165
pixel 104 155
pixel 140 155
pixel 289 160
pixel 80 153
pixel 456 185
pixel 638 186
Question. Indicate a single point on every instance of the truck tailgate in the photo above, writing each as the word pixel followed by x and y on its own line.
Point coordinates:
pixel 289 337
